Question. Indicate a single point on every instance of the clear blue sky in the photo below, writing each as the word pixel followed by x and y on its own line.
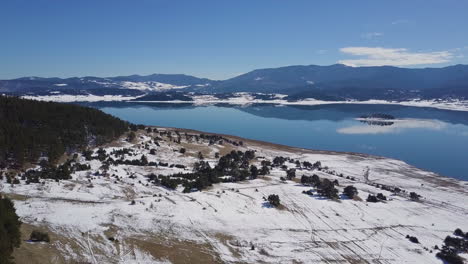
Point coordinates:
pixel 220 39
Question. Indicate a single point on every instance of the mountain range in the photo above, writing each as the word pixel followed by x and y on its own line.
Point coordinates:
pixel 334 82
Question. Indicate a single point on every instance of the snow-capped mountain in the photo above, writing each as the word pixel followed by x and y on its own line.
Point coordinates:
pixel 133 85
pixel 329 83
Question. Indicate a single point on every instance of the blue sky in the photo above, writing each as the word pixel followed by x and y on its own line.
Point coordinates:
pixel 221 39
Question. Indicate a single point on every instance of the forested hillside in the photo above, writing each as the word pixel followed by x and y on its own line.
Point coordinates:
pixel 31 129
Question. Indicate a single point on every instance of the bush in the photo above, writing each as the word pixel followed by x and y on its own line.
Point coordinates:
pixel 274 200
pixel 290 174
pixel 372 199
pixel 253 172
pixel 450 256
pixel 326 188
pixel 380 196
pixel 131 136
pixel 412 239
pixel 350 191
pixel 414 196
pixel 38 236
pixel 458 232
pixel 457 243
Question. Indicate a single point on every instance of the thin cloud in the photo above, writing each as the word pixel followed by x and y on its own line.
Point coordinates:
pixel 377 56
pixel 400 21
pixel 321 51
pixel 372 35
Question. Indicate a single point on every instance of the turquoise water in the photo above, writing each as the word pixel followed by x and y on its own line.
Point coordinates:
pixel 431 139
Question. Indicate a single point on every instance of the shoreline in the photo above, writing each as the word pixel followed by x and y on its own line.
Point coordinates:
pixel 427 104
pixel 245 99
pixel 300 150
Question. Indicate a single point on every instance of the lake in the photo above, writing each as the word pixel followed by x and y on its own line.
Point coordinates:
pixel 431 139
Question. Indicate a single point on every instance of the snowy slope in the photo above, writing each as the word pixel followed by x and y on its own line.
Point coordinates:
pixel 225 220
pixel 151 86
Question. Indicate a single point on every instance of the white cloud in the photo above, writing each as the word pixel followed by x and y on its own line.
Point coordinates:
pixel 377 56
pixel 371 35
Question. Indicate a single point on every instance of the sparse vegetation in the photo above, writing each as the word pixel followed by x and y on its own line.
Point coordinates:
pixel 235 164
pixel 39 236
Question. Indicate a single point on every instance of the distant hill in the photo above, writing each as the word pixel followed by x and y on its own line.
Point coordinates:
pixel 353 82
pixel 334 82
pixel 132 85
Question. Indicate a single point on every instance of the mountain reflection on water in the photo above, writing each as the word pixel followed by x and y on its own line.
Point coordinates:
pixel 428 138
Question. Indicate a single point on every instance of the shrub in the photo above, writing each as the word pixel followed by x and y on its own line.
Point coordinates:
pixel 274 200
pixel 290 174
pixel 456 243
pixel 412 239
pixel 264 170
pixel 131 136
pixel 372 199
pixel 38 236
pixel 414 196
pixel 380 196
pixel 350 191
pixel 326 188
pixel 253 172
pixel 450 256
pixel 458 232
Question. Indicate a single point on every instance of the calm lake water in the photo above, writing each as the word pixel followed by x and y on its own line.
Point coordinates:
pixel 431 139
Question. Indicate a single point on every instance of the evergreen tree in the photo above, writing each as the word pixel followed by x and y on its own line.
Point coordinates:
pixel 253 172
pixel 350 191
pixel 9 230
pixel 274 200
pixel 290 174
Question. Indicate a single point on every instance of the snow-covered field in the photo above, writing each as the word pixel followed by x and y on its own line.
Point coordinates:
pixel 231 222
pixel 68 98
pixel 151 86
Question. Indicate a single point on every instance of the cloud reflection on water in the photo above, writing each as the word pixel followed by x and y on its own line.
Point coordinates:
pixel 398 125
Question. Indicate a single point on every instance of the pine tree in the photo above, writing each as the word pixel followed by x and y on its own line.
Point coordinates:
pixel 9 230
